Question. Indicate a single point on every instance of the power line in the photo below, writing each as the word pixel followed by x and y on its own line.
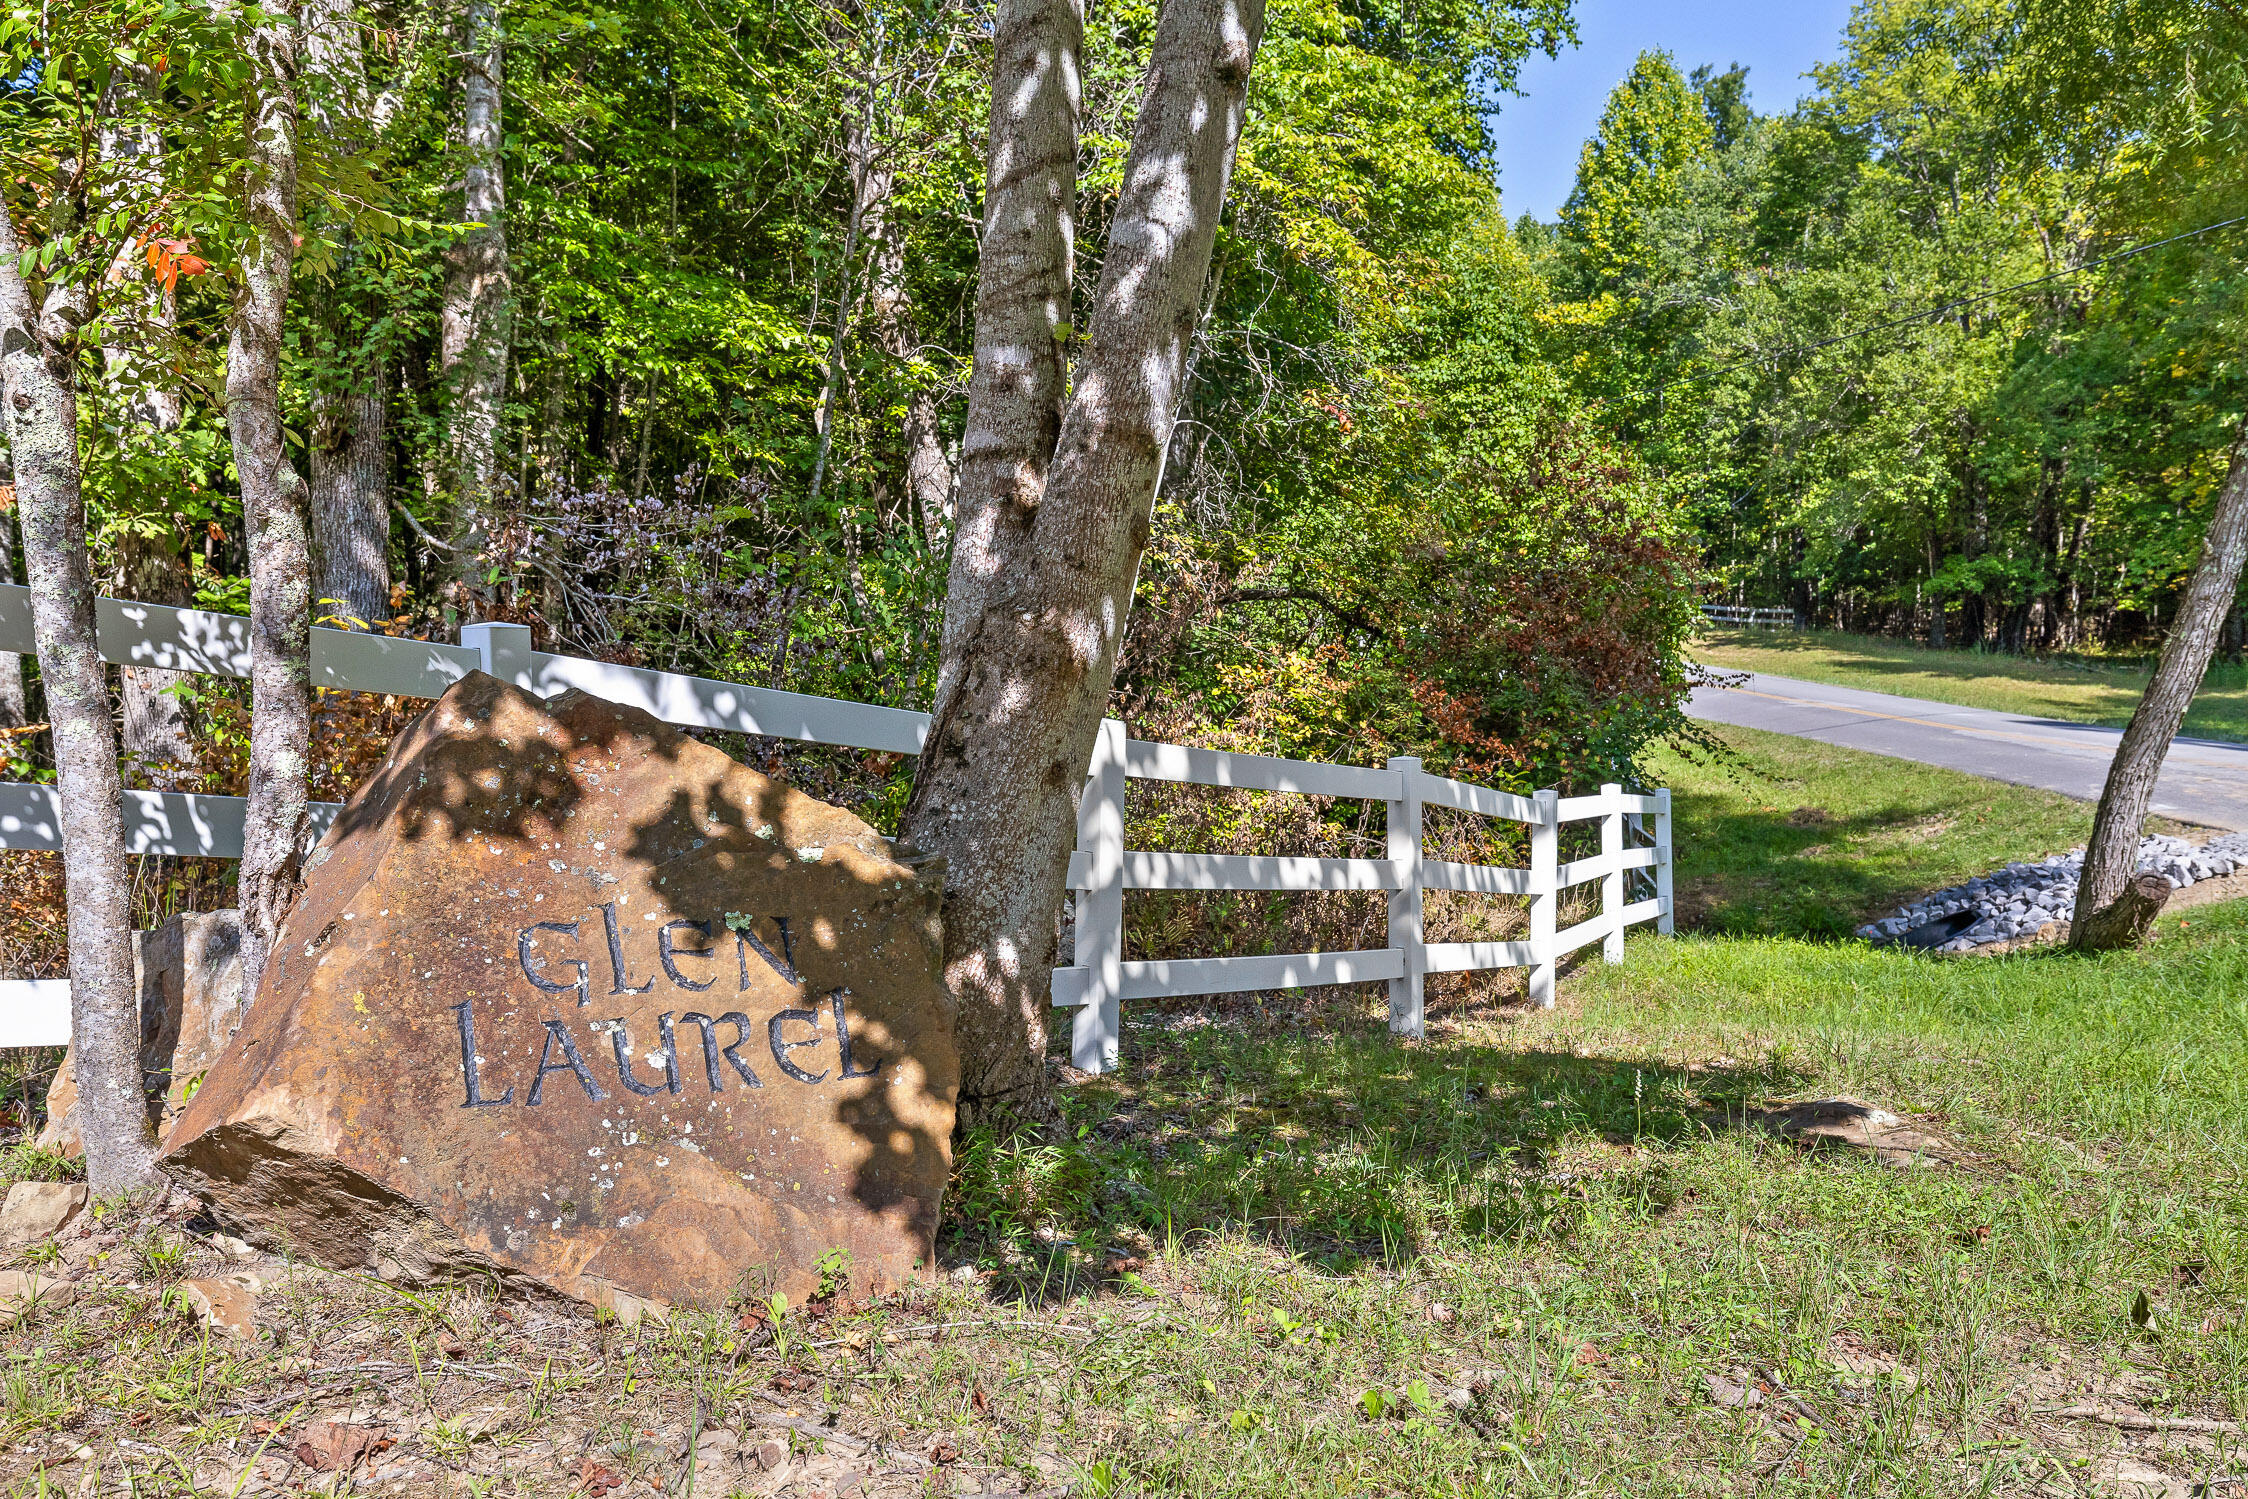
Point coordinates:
pixel 1955 305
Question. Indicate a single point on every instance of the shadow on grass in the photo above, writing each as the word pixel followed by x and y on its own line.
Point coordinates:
pixel 1340 1149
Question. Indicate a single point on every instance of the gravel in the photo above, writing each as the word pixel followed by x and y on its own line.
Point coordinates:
pixel 2016 901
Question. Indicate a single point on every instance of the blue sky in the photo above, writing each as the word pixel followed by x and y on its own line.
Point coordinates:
pixel 1538 136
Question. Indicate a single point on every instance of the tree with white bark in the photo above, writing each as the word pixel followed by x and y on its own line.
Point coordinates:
pixel 1059 469
pixel 476 322
pixel 61 231
pixel 275 504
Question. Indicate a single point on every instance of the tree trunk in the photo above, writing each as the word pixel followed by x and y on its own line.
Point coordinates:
pixel 2124 921
pixel 38 371
pixel 928 473
pixel 1024 264
pixel 1029 663
pixel 2114 850
pixel 350 456
pixel 476 322
pixel 275 504
pixel 351 499
pixel 11 664
pixel 151 569
pixel 154 571
pixel 870 180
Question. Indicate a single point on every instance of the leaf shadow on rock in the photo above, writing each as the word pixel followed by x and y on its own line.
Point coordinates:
pixel 522 789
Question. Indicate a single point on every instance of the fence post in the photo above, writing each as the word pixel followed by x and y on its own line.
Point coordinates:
pixel 506 650
pixel 1098 1021
pixel 1545 893
pixel 1404 837
pixel 1612 884
pixel 1663 923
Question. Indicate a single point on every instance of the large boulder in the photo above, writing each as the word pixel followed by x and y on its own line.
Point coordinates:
pixel 189 974
pixel 570 996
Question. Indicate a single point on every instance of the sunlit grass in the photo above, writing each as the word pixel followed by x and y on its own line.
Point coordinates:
pixel 1776 834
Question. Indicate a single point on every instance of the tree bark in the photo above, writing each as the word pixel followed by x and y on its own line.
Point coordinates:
pixel 2113 853
pixel 928 473
pixel 475 325
pixel 2124 921
pixel 11 664
pixel 1029 662
pixel 275 504
pixel 38 374
pixel 1025 262
pixel 155 719
pixel 350 456
pixel 351 499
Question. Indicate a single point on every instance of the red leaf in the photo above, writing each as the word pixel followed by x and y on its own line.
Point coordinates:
pixel 593 1478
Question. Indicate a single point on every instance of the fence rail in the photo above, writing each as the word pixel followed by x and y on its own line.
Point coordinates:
pixel 36 1012
pixel 1742 614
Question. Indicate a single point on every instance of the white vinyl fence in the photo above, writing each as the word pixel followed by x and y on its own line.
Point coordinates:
pixel 37 1012
pixel 1742 614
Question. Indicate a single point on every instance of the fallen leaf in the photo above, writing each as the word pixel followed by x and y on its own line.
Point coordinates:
pixel 1736 1393
pixel 594 1478
pixel 338 1446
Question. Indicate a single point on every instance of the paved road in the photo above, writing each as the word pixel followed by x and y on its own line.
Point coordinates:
pixel 2203 780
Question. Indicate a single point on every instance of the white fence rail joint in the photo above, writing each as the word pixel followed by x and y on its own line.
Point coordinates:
pixel 37 1012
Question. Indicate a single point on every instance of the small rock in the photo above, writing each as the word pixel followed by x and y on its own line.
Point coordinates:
pixel 22 1291
pixel 771 1454
pixel 38 1210
pixel 224 1306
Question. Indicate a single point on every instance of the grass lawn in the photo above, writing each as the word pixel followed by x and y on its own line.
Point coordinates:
pixel 1783 835
pixel 1257 1259
pixel 2069 688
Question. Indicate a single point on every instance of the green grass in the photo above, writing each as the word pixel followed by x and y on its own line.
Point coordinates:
pixel 2070 688
pixel 1783 835
pixel 1326 1231
pixel 1565 1182
pixel 1256 1258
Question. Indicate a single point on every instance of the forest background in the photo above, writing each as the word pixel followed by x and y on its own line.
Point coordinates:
pixel 650 326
